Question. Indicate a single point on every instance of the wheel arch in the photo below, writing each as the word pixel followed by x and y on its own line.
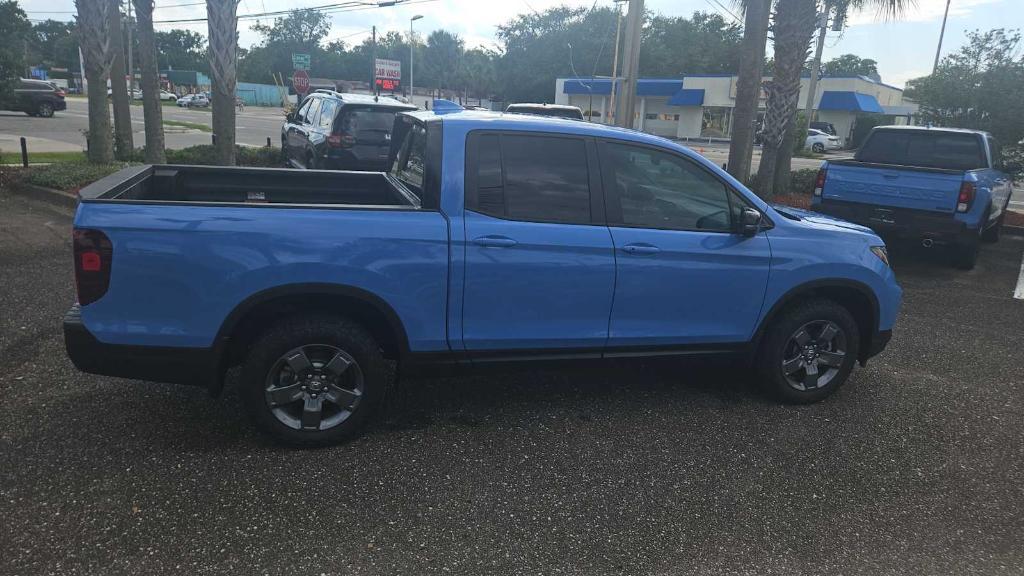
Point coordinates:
pixel 248 318
pixel 855 296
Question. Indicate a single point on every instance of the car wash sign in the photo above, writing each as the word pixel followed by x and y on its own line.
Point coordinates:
pixel 387 74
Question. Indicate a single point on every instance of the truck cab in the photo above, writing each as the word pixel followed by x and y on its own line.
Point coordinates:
pixel 493 238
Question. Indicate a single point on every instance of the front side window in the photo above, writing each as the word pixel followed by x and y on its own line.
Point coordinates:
pixel 314 107
pixel 656 189
pixel 533 178
pixel 300 116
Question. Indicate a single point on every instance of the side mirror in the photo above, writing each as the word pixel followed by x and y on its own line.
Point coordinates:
pixel 750 222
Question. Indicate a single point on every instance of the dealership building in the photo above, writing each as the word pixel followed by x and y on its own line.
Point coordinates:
pixel 701 105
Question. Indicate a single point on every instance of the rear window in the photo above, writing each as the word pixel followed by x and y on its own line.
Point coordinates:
pixel 367 121
pixel 925 149
pixel 411 161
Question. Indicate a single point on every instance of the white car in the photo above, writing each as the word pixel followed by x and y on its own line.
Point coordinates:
pixel 818 141
pixel 136 94
pixel 165 95
pixel 198 101
pixel 184 100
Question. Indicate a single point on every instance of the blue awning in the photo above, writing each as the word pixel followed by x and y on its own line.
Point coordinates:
pixel 595 86
pixel 849 101
pixel 688 97
pixel 657 87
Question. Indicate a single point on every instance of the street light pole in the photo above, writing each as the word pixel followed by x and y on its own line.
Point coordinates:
pixel 941 34
pixel 412 45
pixel 631 62
pixel 615 61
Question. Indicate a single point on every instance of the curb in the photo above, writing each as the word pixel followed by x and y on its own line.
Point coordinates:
pixel 1013 230
pixel 58 197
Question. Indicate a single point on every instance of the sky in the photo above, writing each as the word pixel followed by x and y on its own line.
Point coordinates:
pixel 904 49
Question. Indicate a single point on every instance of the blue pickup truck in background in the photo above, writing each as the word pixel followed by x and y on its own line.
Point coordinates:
pixel 493 238
pixel 932 185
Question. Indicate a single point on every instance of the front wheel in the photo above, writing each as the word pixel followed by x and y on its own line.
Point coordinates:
pixel 818 148
pixel 314 380
pixel 45 109
pixel 809 352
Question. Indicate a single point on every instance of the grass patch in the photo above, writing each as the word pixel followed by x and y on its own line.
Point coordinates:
pixel 42 157
pixel 191 125
pixel 70 176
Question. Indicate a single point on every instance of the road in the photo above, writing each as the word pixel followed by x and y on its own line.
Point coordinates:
pixel 914 467
pixel 65 131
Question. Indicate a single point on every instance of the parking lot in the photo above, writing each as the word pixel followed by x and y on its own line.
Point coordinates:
pixel 915 467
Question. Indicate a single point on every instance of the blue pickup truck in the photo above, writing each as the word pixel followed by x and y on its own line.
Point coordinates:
pixel 493 238
pixel 936 186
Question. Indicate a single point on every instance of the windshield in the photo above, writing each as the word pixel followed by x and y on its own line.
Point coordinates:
pixel 950 150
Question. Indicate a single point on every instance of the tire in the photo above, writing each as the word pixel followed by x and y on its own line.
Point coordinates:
pixel 309 411
pixel 801 334
pixel 310 161
pixel 991 234
pixel 45 109
pixel 818 148
pixel 965 255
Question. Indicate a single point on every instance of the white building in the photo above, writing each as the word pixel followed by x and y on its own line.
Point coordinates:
pixel 701 105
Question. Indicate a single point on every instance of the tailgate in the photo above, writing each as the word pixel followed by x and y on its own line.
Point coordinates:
pixel 893 186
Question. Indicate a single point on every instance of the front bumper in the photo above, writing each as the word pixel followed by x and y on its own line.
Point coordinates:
pixel 899 222
pixel 191 366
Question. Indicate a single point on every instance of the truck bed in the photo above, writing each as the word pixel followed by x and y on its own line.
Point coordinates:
pixel 233 185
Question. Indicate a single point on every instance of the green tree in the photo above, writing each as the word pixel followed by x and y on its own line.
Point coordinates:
pixel 53 44
pixel 675 46
pixel 850 65
pixel 14 29
pixel 181 50
pixel 442 59
pixel 479 74
pixel 300 31
pixel 979 86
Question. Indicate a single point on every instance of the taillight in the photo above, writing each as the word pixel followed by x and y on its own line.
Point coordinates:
pixel 966 197
pixel 341 140
pixel 60 93
pixel 93 254
pixel 819 182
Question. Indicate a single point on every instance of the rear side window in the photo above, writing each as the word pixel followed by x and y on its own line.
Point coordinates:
pixel 300 116
pixel 926 149
pixel 327 110
pixel 411 162
pixel 996 152
pixel 534 178
pixel 314 107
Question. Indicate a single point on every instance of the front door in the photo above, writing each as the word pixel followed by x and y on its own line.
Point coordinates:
pixel 540 268
pixel 683 276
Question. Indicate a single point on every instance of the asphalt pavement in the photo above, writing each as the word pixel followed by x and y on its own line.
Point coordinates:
pixel 916 466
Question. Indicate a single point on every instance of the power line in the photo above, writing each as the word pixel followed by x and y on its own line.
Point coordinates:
pixel 326 9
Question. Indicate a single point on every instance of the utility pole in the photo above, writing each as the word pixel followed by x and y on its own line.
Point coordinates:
pixel 412 45
pixel 812 85
pixel 631 62
pixel 615 61
pixel 942 33
pixel 373 64
pixel 131 70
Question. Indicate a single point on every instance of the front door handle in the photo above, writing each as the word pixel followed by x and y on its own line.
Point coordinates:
pixel 640 249
pixel 495 241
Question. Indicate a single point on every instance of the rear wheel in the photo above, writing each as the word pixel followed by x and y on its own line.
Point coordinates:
pixel 45 109
pixel 991 234
pixel 809 352
pixel 818 147
pixel 314 380
pixel 310 161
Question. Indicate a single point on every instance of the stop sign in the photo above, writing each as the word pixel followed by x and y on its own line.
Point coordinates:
pixel 300 81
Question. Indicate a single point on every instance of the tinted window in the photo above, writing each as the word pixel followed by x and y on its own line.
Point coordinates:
pixel 927 149
pixel 532 178
pixel 660 190
pixel 327 110
pixel 411 162
pixel 571 113
pixel 300 116
pixel 314 107
pixel 369 125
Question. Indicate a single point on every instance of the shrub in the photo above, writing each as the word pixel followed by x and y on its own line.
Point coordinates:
pixel 802 181
pixel 70 175
pixel 203 155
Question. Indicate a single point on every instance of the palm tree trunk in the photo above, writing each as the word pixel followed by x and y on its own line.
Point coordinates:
pixel 748 87
pixel 95 42
pixel 222 19
pixel 123 144
pixel 784 161
pixel 152 110
pixel 793 28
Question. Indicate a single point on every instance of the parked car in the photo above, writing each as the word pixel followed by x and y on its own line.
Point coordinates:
pixel 818 141
pixel 331 130
pixel 36 98
pixel 135 94
pixel 555 110
pixel 169 96
pixel 184 99
pixel 825 127
pixel 932 185
pixel 199 101
pixel 493 237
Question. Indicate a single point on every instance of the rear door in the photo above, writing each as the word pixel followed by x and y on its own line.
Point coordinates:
pixel 913 169
pixel 293 132
pixel 683 276
pixel 540 267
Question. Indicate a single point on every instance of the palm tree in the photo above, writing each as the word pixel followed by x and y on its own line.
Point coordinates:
pixel 152 110
pixel 123 143
pixel 93 33
pixel 748 86
pixel 222 21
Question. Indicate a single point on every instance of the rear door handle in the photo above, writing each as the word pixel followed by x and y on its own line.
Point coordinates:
pixel 495 241
pixel 640 249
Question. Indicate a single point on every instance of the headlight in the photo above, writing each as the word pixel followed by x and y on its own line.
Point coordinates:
pixel 882 253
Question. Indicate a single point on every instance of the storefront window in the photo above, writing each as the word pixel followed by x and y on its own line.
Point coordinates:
pixel 717 122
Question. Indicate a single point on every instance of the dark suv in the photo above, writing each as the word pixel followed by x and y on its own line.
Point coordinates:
pixel 36 98
pixel 335 131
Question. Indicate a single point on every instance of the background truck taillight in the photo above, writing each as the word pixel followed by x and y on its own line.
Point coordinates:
pixel 819 182
pixel 93 254
pixel 966 197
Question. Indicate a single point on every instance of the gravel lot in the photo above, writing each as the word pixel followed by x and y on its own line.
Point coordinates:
pixel 915 467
